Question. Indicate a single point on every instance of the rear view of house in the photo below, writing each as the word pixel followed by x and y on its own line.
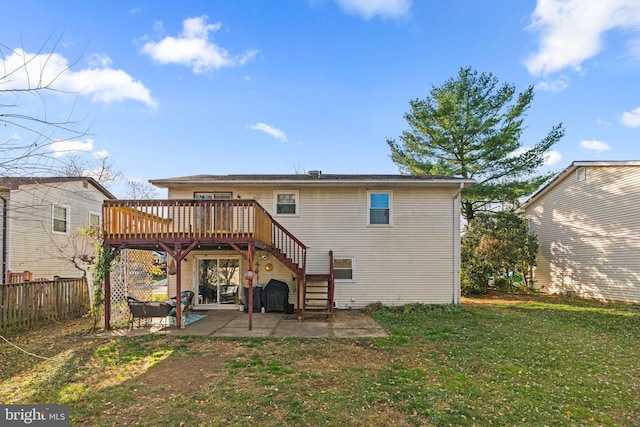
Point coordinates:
pixel 40 222
pixel 588 227
pixel 376 238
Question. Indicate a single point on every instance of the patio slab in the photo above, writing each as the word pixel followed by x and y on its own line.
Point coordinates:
pixel 231 323
pixel 298 328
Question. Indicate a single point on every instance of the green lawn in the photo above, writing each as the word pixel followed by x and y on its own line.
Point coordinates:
pixel 493 361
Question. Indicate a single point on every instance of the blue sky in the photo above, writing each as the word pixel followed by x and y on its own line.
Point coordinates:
pixel 172 88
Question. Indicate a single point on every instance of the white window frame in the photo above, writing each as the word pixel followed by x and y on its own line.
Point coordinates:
pixel 369 194
pixel 353 268
pixel 296 195
pixel 99 225
pixel 66 220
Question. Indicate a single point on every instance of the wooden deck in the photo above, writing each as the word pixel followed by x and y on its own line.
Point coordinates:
pixel 180 226
pixel 145 222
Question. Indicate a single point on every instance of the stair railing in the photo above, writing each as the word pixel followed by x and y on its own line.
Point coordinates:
pixel 291 251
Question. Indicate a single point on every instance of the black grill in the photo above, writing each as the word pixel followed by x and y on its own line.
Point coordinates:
pixel 275 296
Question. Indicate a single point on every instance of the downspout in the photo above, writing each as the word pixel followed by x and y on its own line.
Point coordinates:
pixel 4 239
pixel 456 245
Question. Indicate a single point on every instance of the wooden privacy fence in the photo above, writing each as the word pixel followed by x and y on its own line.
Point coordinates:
pixel 29 303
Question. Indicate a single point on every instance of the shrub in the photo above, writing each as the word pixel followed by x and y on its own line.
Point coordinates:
pixel 497 245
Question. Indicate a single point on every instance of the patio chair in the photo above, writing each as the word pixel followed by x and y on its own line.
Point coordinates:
pixel 186 301
pixel 146 310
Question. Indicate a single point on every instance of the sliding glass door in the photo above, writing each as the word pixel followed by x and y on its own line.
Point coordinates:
pixel 218 280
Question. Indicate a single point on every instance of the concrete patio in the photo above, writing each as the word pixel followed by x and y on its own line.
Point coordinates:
pixel 231 323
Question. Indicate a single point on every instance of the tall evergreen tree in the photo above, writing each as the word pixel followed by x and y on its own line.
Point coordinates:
pixel 471 127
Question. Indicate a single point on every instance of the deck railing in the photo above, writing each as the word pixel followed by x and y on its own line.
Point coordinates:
pixel 168 220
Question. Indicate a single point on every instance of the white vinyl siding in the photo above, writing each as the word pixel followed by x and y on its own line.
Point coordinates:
pixel 413 261
pixel 589 234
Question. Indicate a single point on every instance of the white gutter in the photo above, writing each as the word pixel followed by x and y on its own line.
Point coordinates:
pixel 456 245
pixel 189 182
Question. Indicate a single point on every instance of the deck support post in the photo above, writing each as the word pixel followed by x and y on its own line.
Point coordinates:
pixel 107 300
pixel 249 276
pixel 178 254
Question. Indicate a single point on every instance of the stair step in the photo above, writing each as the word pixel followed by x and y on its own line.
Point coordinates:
pixel 318 277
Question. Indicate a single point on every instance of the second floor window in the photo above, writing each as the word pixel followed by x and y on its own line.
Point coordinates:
pixel 60 219
pixel 379 208
pixel 286 202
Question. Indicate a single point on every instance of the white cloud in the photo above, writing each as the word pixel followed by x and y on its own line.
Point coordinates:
pixel 519 151
pixel 193 48
pixel 108 85
pixel 99 60
pixel 276 133
pixel 102 154
pixel 633 46
pixel 572 31
pixel 370 8
pixel 557 85
pixel 97 81
pixel 60 148
pixel 552 157
pixel 594 145
pixel 631 118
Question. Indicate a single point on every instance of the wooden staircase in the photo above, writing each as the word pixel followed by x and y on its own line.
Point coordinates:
pixel 318 293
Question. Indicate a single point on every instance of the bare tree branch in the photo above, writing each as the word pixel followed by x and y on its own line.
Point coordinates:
pixel 26 137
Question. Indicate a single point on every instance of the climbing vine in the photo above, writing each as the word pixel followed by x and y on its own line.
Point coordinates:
pixel 104 257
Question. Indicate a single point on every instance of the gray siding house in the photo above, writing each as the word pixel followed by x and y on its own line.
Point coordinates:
pixel 40 222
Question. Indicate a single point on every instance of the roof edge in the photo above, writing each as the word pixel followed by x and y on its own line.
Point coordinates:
pixel 305 180
pixel 569 169
pixel 13 183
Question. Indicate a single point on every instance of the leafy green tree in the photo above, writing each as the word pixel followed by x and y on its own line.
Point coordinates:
pixel 498 245
pixel 471 127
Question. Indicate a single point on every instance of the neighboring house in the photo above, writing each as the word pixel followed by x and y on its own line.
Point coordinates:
pixel 40 222
pixel 588 227
pixel 393 239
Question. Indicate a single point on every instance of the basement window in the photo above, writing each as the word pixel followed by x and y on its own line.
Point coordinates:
pixel 343 269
